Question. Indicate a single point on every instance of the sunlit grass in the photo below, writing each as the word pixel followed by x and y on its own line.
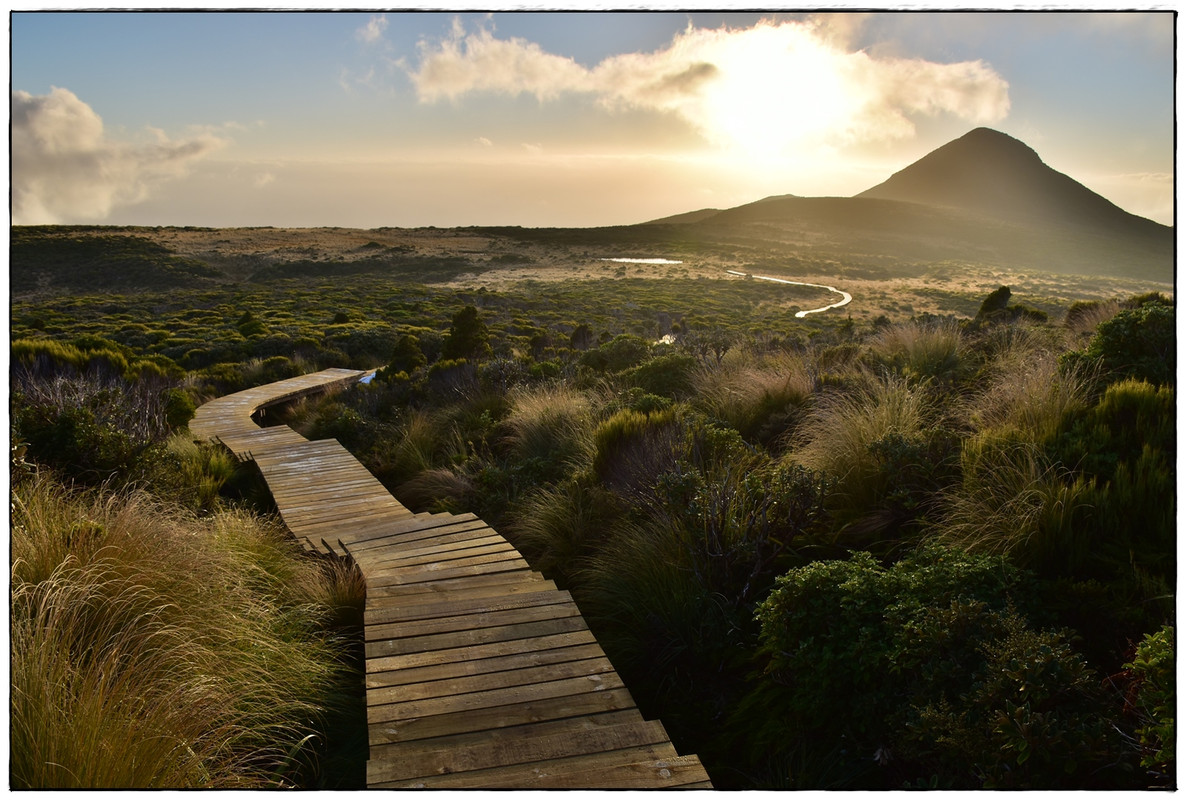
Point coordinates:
pixel 748 392
pixel 152 649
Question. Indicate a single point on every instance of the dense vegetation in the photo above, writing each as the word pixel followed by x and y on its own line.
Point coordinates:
pixel 926 552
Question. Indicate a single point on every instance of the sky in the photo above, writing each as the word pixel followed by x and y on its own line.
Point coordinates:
pixel 368 119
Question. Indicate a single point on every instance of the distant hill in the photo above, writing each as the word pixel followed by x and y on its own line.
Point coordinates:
pixel 985 197
pixel 991 173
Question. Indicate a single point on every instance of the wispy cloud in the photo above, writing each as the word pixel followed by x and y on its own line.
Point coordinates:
pixel 763 87
pixel 65 169
pixel 372 32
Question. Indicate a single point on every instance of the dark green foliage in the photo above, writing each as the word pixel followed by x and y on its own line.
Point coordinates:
pixel 923 668
pixel 581 337
pixel 1127 445
pixel 1154 681
pixel 1137 343
pixel 620 353
pixel 668 375
pixel 994 303
pixel 408 267
pixel 996 308
pixel 468 337
pixel 91 428
pixel 406 357
pixel 43 259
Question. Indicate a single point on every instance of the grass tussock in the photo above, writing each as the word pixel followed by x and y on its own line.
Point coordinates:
pixel 842 429
pixel 1028 397
pixel 920 350
pixel 1015 502
pixel 155 649
pixel 550 424
pixel 753 394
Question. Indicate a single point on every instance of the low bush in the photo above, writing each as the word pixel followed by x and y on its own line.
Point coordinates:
pixel 894 674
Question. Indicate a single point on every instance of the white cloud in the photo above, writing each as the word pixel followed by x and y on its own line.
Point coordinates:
pixel 466 63
pixel 64 169
pixel 482 140
pixel 762 88
pixel 373 31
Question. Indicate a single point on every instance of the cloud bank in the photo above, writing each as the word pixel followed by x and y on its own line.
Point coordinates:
pixel 764 87
pixel 64 169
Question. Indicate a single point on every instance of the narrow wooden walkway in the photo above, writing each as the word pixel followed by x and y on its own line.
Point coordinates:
pixel 480 673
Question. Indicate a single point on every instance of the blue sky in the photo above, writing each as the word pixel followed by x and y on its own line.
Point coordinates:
pixel 365 119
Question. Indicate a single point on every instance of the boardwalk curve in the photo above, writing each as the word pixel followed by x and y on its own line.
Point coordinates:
pixel 480 673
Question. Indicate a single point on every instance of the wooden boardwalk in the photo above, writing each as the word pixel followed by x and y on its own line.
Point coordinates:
pixel 480 673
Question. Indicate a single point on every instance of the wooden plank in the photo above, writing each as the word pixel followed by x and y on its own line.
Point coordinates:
pixel 528 743
pixel 466 586
pixel 411 531
pixel 455 669
pixel 479 620
pixel 489 719
pixel 401 612
pixel 438 562
pixel 490 649
pixel 458 639
pixel 648 767
pixel 488 681
pixel 455 554
pixel 380 712
pixel 442 546
pixel 400 577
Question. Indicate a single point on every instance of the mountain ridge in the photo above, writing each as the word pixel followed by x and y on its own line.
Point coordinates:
pixel 984 196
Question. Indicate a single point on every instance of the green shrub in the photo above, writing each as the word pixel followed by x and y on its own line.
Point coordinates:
pixel 468 336
pixel 1153 667
pixel 406 357
pixel 1138 343
pixel 666 375
pixel 923 668
pixel 89 429
pixel 618 354
pixel 631 448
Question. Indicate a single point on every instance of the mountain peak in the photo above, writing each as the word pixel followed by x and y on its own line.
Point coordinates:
pixel 990 173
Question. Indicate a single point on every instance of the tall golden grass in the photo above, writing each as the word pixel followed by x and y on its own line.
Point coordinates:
pixel 154 649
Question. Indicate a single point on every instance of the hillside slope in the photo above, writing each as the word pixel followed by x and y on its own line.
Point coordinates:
pixel 985 197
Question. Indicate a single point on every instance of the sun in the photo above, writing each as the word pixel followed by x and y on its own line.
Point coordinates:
pixel 778 89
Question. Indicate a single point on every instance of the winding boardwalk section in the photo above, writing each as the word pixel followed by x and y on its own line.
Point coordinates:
pixel 480 673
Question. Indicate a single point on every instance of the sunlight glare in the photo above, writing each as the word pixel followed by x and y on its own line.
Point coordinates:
pixel 775 93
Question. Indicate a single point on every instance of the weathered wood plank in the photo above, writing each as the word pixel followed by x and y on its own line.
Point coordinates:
pixel 576 736
pixel 648 767
pixel 478 620
pixel 482 650
pixel 488 719
pixel 403 612
pixel 456 669
pixel 487 681
pixel 467 638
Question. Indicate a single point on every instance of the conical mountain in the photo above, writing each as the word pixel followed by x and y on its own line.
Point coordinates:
pixel 991 173
pixel 983 198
